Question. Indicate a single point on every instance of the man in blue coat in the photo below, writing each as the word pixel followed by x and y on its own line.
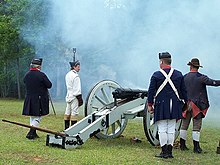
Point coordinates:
pixel 165 95
pixel 36 103
pixel 198 103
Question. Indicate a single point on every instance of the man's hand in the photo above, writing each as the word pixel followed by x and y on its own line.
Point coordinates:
pixel 80 100
pixel 150 109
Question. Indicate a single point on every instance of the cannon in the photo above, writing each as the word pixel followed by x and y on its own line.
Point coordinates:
pixel 108 107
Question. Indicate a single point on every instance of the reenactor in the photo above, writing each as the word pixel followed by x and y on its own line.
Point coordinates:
pixel 36 103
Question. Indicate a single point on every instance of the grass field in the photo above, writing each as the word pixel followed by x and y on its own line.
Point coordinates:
pixel 15 149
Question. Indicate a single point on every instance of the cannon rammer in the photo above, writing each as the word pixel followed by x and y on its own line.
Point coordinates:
pixel 107 110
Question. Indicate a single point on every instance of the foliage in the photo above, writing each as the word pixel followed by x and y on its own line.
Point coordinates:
pixel 21 24
pixel 16 149
pixel 15 51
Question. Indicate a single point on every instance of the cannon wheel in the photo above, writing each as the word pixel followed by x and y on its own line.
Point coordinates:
pixel 99 97
pixel 151 130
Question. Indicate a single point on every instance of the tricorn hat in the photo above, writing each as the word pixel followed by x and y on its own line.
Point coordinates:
pixel 72 64
pixel 37 61
pixel 164 55
pixel 194 62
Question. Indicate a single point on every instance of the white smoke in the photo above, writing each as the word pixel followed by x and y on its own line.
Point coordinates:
pixel 121 39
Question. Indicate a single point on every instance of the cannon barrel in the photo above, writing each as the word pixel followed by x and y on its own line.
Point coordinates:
pixel 123 93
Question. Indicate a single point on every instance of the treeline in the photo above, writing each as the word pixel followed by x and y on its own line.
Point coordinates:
pixel 15 52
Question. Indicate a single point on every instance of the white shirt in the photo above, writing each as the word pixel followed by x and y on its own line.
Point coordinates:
pixel 73 85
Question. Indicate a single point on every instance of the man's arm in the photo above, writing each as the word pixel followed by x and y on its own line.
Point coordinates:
pixel 208 81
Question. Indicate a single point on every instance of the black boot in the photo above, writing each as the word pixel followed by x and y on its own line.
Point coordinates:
pixel 73 122
pixel 169 151
pixel 163 153
pixel 183 144
pixel 30 134
pixel 35 134
pixel 66 124
pixel 197 148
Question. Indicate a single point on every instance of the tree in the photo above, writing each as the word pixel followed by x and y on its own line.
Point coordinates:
pixel 12 46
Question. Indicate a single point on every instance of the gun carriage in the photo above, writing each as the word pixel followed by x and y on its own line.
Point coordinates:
pixel 108 108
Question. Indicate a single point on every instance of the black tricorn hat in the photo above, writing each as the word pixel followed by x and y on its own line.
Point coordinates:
pixel 72 64
pixel 164 55
pixel 194 62
pixel 37 61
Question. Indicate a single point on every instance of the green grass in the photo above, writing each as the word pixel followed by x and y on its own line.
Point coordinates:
pixel 15 149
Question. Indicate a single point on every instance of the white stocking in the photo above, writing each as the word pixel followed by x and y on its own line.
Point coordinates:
pixel 35 120
pixel 196 135
pixel 183 134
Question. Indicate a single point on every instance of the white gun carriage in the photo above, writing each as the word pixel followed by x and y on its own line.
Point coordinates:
pixel 108 108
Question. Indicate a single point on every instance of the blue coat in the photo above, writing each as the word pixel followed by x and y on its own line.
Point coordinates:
pixel 162 103
pixel 36 101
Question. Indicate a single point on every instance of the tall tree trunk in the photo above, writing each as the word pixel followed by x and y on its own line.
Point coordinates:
pixel 18 80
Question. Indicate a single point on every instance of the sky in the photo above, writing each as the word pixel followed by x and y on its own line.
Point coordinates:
pixel 120 40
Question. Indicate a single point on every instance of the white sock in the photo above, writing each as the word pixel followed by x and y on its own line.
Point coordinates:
pixel 35 120
pixel 183 134
pixel 196 135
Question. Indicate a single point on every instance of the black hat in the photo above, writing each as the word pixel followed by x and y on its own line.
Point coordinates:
pixel 194 62
pixel 37 61
pixel 72 64
pixel 164 55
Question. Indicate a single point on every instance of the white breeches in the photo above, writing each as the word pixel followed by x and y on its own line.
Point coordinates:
pixel 166 130
pixel 72 110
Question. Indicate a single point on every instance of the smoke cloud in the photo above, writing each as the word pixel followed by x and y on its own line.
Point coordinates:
pixel 120 40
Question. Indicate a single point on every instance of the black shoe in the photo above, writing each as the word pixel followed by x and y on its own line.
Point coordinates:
pixel 28 134
pixel 31 137
pixel 184 148
pixel 170 156
pixel 169 151
pixel 35 134
pixel 183 145
pixel 164 153
pixel 197 149
pixel 66 124
pixel 31 134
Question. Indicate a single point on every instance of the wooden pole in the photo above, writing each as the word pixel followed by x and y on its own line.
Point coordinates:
pixel 37 128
